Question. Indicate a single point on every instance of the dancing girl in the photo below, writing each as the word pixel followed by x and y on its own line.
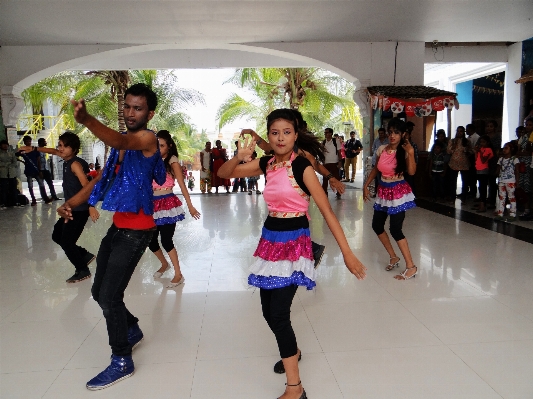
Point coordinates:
pixel 168 210
pixel 394 194
pixel 284 258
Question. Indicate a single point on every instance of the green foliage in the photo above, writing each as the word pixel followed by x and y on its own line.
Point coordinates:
pixel 324 99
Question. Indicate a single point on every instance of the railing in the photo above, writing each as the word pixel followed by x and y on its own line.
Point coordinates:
pixel 37 123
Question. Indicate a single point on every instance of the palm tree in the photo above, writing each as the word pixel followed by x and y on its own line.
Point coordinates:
pixel 321 97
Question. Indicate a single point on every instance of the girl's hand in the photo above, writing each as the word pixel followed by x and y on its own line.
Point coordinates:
pixel 94 214
pixel 355 266
pixel 337 185
pixel 245 152
pixel 250 132
pixel 194 213
pixel 366 194
pixel 408 147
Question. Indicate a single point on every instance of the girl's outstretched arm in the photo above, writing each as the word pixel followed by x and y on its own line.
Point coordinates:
pixel 352 263
pixel 231 169
pixel 178 175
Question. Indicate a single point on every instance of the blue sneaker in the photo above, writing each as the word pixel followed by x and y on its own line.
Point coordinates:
pixel 135 336
pixel 121 367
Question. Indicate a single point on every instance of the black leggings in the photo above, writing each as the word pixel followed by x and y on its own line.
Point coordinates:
pixel 167 235
pixel 276 304
pixel 396 223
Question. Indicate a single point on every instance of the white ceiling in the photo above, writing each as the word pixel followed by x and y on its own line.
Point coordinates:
pixel 57 22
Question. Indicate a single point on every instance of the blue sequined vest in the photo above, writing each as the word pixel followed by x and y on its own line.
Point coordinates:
pixel 130 189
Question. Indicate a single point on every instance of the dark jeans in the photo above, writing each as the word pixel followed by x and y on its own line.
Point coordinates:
pixel 453 182
pixel 119 253
pixel 332 168
pixel 66 235
pixel 276 304
pixel 47 177
pixel 483 180
pixel 8 191
pixel 396 224
pixel 40 182
pixel 437 184
pixel 472 182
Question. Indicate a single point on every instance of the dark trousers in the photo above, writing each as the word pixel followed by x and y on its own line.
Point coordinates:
pixel 396 224
pixel 453 182
pixel 493 190
pixel 437 184
pixel 47 177
pixel 483 180
pixel 472 182
pixel 119 253
pixel 66 235
pixel 276 304
pixel 8 191
pixel 40 182
pixel 332 168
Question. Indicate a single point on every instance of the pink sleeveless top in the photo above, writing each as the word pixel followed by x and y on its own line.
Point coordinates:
pixel 169 182
pixel 283 195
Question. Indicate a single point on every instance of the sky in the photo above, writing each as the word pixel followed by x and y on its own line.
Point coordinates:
pixel 210 82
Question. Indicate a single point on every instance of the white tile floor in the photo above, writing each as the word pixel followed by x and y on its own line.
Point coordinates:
pixel 462 329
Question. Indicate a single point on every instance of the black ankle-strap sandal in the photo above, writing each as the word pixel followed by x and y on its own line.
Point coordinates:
pixel 294 385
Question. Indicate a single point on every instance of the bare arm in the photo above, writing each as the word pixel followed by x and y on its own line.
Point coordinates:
pixel 46 150
pixel 333 182
pixel 143 140
pixel 65 210
pixel 352 263
pixel 178 175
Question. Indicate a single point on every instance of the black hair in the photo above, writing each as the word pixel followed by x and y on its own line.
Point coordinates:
pixel 26 138
pixel 487 140
pixel 172 149
pixel 306 140
pixel 143 90
pixel 470 126
pixel 401 164
pixel 437 144
pixel 464 140
pixel 328 130
pixel 441 131
pixel 519 131
pixel 409 124
pixel 493 122
pixel 382 129
pixel 41 140
pixel 4 142
pixel 513 146
pixel 71 140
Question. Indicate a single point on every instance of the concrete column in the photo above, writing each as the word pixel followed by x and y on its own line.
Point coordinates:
pixel 12 105
pixel 512 93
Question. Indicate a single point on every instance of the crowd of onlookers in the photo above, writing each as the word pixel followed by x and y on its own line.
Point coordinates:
pixel 500 174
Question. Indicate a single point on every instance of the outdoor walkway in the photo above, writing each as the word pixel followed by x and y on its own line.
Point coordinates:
pixel 463 328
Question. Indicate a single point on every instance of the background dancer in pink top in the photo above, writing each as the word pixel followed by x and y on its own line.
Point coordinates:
pixel 394 194
pixel 168 210
pixel 284 258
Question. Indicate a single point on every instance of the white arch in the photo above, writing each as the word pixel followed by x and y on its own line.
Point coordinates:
pixel 167 56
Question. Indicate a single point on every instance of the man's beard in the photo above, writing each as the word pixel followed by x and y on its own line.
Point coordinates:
pixel 140 125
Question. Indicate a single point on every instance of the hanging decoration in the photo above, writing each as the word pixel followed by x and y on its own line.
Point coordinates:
pixel 486 90
pixel 418 108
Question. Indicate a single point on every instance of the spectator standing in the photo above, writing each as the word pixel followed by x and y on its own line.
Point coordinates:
pixel 239 183
pixel 473 137
pixel 523 187
pixel 8 176
pixel 507 173
pixel 408 134
pixel 484 153
pixel 253 180
pixel 496 141
pixel 437 170
pixel 459 150
pixel 352 148
pixel 342 172
pixel 205 172
pixel 32 162
pixel 332 158
pixel 218 157
pixel 528 133
pixel 45 170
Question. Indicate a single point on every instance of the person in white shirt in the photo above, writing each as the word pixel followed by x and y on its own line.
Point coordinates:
pixel 333 158
pixel 205 172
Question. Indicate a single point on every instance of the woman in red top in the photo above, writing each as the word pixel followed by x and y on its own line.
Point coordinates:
pixel 219 156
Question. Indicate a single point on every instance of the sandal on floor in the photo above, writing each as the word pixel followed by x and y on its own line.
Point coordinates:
pixel 392 265
pixel 279 368
pixel 159 274
pixel 304 395
pixel 404 273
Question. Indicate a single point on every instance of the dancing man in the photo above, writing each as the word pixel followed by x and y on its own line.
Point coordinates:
pixel 125 187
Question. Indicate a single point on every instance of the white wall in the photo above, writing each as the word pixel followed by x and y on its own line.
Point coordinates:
pixel 512 93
